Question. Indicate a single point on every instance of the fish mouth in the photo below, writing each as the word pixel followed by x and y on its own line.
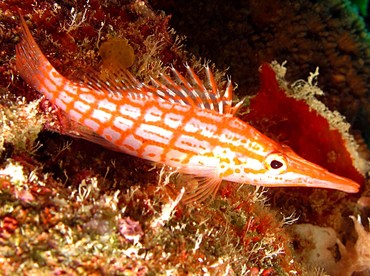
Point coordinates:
pixel 311 175
pixel 333 181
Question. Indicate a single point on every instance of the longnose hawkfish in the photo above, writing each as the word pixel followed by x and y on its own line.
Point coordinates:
pixel 177 122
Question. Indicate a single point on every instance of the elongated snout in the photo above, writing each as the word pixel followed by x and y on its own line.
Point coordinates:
pixel 309 174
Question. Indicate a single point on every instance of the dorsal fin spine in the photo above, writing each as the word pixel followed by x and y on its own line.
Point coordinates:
pixel 196 79
pixel 236 108
pixel 215 92
pixel 227 97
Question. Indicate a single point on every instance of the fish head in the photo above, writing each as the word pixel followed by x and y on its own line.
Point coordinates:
pixel 284 168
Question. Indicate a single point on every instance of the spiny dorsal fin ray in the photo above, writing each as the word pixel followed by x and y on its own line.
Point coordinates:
pixel 215 92
pixel 234 109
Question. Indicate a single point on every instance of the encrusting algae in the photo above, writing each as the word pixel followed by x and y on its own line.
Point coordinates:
pixel 80 208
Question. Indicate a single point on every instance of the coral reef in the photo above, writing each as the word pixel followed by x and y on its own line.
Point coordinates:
pixel 72 207
pixel 96 227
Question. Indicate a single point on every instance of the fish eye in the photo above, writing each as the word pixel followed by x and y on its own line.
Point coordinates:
pixel 275 163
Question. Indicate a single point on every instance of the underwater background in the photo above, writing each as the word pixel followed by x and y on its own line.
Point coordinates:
pixel 70 207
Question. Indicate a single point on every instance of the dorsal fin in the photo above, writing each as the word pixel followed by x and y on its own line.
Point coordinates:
pixel 193 92
pixel 186 91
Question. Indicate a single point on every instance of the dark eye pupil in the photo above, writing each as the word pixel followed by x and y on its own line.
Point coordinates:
pixel 276 164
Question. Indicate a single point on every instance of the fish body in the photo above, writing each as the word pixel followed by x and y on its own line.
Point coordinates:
pixel 179 123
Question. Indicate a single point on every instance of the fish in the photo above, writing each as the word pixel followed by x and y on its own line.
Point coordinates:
pixel 179 121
